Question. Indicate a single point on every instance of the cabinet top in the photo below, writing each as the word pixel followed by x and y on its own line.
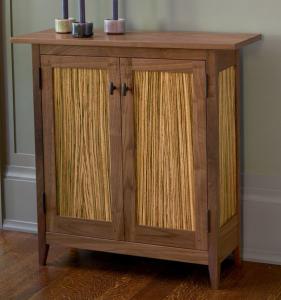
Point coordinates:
pixel 177 40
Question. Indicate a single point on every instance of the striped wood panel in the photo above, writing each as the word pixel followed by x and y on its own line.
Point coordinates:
pixel 227 147
pixel 165 170
pixel 82 143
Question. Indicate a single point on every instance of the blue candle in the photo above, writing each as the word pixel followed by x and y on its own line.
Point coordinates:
pixel 65 9
pixel 82 11
pixel 115 9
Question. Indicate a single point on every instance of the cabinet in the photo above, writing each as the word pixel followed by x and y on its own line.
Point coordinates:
pixel 137 144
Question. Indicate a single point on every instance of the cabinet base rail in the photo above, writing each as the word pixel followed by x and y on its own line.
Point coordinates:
pixel 129 248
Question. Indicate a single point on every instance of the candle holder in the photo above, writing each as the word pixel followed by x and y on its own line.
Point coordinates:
pixel 82 30
pixel 64 25
pixel 115 26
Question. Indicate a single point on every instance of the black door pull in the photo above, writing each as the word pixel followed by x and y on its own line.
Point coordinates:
pixel 124 89
pixel 112 87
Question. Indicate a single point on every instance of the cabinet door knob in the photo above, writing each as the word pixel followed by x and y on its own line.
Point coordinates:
pixel 124 89
pixel 112 87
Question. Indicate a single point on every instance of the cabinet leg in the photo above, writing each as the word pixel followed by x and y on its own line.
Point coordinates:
pixel 237 257
pixel 43 254
pixel 215 272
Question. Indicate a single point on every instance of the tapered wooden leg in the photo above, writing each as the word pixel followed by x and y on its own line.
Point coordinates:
pixel 215 272
pixel 237 257
pixel 43 254
pixel 43 248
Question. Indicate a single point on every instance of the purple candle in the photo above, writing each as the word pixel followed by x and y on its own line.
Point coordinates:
pixel 82 11
pixel 115 9
pixel 65 9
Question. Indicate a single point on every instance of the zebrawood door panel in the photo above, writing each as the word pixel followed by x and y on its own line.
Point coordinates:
pixel 164 152
pixel 227 145
pixel 81 111
pixel 164 149
pixel 82 137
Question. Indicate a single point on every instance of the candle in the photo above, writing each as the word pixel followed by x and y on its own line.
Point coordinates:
pixel 65 9
pixel 82 11
pixel 115 9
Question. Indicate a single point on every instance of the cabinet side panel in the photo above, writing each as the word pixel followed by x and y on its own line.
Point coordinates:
pixel 81 112
pixel 227 145
pixel 164 149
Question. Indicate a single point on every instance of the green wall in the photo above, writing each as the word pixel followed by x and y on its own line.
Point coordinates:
pixel 261 62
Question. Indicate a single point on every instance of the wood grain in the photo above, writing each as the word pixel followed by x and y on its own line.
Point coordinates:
pixel 167 237
pixel 123 52
pixel 81 110
pixel 227 145
pixel 74 62
pixel 128 151
pixel 182 40
pixel 199 136
pixel 81 121
pixel 81 274
pixel 226 59
pixel 164 148
pixel 147 189
pixel 213 167
pixel 228 237
pixel 129 248
pixel 39 156
pixel 164 65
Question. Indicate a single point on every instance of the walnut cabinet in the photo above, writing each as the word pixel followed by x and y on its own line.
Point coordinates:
pixel 137 144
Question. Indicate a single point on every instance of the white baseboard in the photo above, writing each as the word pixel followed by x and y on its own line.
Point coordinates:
pixel 20 173
pixel 22 226
pixel 19 191
pixel 261 256
pixel 261 211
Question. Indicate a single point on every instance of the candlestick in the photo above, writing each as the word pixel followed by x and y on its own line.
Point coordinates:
pixel 65 9
pixel 82 11
pixel 64 25
pixel 115 10
pixel 114 25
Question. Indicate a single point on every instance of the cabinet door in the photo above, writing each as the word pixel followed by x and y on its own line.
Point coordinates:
pixel 82 146
pixel 164 152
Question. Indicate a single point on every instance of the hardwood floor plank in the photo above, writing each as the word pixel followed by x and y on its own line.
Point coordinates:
pixel 93 274
pixel 23 276
pixel 166 282
pixel 81 274
pixel 9 240
pixel 140 272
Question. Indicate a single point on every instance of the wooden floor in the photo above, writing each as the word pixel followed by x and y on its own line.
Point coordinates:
pixel 73 274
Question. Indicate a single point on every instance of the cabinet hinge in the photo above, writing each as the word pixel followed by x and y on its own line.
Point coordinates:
pixel 40 78
pixel 207 86
pixel 209 220
pixel 44 202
